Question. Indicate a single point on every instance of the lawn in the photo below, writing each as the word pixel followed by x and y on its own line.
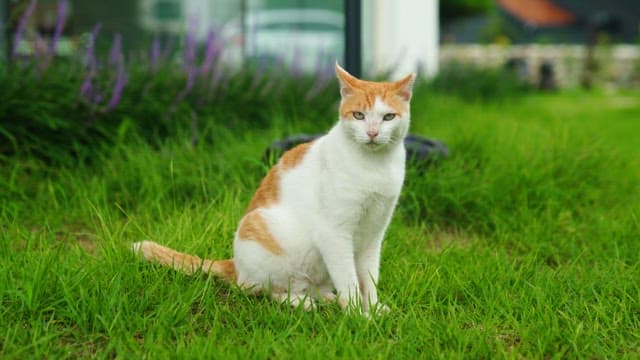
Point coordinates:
pixel 525 242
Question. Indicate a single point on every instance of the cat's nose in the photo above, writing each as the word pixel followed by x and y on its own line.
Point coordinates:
pixel 372 133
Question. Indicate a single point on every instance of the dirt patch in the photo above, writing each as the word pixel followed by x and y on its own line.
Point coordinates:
pixel 439 240
pixel 78 235
pixel 87 243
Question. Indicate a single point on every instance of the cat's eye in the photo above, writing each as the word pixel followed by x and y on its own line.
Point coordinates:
pixel 358 115
pixel 389 117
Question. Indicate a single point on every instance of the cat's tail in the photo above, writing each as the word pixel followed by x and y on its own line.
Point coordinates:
pixel 185 263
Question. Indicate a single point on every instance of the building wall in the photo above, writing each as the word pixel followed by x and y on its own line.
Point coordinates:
pixel 400 36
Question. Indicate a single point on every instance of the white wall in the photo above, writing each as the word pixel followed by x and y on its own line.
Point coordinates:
pixel 400 36
pixel 198 11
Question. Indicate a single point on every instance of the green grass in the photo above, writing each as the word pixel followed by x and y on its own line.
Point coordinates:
pixel 524 243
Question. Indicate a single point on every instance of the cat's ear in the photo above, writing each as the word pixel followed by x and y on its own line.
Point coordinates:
pixel 347 81
pixel 404 86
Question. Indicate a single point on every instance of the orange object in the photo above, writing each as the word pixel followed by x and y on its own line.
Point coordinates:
pixel 537 12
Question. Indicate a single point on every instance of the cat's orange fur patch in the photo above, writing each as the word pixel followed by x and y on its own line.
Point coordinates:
pixel 365 94
pixel 267 192
pixel 253 227
pixel 292 158
pixel 269 188
pixel 362 94
pixel 188 264
pixel 223 268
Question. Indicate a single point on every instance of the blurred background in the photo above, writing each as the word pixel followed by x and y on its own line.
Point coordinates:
pixel 303 34
pixel 191 63
pixel 547 42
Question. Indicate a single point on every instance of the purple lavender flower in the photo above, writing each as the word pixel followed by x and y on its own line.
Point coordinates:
pixel 90 57
pixel 86 89
pixel 115 54
pixel 62 16
pixel 191 80
pixel 155 53
pixel 211 52
pixel 190 48
pixel 189 58
pixel 118 87
pixel 22 24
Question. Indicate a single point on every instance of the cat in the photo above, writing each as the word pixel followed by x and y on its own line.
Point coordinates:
pixel 314 228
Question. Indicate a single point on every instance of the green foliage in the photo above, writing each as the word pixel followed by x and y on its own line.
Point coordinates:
pixel 44 114
pixel 499 29
pixel 475 83
pixel 452 9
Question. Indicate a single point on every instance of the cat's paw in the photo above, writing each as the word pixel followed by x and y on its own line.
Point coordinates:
pixel 352 306
pixel 328 297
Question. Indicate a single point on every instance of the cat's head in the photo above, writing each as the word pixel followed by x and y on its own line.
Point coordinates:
pixel 374 114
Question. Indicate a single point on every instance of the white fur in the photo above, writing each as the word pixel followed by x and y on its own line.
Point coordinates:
pixel 331 217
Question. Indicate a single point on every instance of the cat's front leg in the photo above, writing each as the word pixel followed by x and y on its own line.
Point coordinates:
pixel 369 245
pixel 336 249
pixel 368 269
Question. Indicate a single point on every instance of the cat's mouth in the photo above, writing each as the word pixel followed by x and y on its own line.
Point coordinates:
pixel 374 145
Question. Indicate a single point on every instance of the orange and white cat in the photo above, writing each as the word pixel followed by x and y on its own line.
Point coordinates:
pixel 315 226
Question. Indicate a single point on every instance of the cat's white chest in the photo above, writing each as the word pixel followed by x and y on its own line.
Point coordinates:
pixel 353 193
pixel 375 178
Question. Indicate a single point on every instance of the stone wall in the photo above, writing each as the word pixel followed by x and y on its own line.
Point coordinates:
pixel 617 65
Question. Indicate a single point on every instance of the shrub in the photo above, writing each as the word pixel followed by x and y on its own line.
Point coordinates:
pixel 472 82
pixel 53 107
